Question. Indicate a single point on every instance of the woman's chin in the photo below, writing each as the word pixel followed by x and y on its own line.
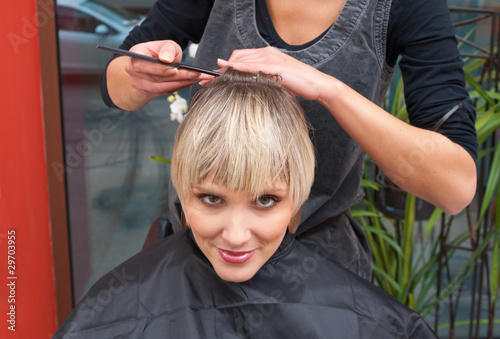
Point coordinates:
pixel 233 275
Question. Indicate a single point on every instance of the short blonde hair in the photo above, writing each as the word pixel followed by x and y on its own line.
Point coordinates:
pixel 248 131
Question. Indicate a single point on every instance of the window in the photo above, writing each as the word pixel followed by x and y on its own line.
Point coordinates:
pixel 114 191
pixel 70 19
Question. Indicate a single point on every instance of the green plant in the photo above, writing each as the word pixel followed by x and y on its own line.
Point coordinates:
pixel 410 275
pixel 395 268
pixel 487 123
pixel 160 159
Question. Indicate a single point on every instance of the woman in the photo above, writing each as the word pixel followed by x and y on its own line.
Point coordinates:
pixel 339 57
pixel 243 164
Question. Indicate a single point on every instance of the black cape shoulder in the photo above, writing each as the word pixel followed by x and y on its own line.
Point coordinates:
pixel 170 290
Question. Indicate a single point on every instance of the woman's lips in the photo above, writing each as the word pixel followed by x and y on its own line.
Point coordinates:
pixel 235 257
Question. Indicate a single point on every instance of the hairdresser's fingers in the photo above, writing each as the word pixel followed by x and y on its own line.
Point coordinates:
pixel 268 60
pixel 164 50
pixel 297 76
pixel 204 82
pixel 154 79
pixel 243 55
pixel 156 89
pixel 269 54
pixel 169 51
pixel 155 85
pixel 159 73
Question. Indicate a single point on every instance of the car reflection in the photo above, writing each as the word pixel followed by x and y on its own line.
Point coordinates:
pixel 84 23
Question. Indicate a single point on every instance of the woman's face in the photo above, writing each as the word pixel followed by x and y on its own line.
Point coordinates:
pixel 236 233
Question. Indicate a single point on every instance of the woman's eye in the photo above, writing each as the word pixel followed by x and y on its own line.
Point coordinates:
pixel 210 199
pixel 266 201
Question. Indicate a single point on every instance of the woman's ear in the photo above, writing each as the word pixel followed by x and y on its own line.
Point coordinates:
pixel 294 222
pixel 184 222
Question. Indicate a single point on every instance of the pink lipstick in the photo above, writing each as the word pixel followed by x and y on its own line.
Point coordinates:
pixel 235 257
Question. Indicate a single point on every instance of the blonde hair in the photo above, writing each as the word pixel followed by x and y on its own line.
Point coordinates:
pixel 248 131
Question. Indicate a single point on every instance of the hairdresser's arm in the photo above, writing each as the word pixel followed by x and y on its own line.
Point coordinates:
pixel 422 162
pixel 132 83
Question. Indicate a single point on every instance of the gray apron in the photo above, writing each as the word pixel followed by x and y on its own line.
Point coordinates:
pixel 358 34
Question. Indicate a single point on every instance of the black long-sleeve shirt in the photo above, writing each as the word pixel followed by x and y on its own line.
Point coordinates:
pixel 417 36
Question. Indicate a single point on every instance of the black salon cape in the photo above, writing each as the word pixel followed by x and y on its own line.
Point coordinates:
pixel 170 290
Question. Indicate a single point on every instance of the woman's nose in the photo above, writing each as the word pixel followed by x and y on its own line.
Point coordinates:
pixel 237 230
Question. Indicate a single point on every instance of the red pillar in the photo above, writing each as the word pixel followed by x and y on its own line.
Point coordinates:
pixel 27 296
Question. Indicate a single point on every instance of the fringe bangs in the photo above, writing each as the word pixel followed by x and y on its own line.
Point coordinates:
pixel 246 135
pixel 241 150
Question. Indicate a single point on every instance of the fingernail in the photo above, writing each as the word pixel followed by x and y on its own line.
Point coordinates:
pixel 194 75
pixel 172 71
pixel 166 57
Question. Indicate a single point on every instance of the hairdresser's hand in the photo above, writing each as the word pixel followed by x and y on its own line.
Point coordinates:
pixel 300 78
pixel 132 83
pixel 441 163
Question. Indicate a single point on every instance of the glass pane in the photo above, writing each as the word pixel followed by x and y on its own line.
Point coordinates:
pixel 114 190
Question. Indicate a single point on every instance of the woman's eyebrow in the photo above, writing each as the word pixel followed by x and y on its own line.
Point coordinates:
pixel 208 190
pixel 270 189
pixel 276 190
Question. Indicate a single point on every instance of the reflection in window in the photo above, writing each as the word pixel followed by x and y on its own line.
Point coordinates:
pixel 73 20
pixel 114 190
